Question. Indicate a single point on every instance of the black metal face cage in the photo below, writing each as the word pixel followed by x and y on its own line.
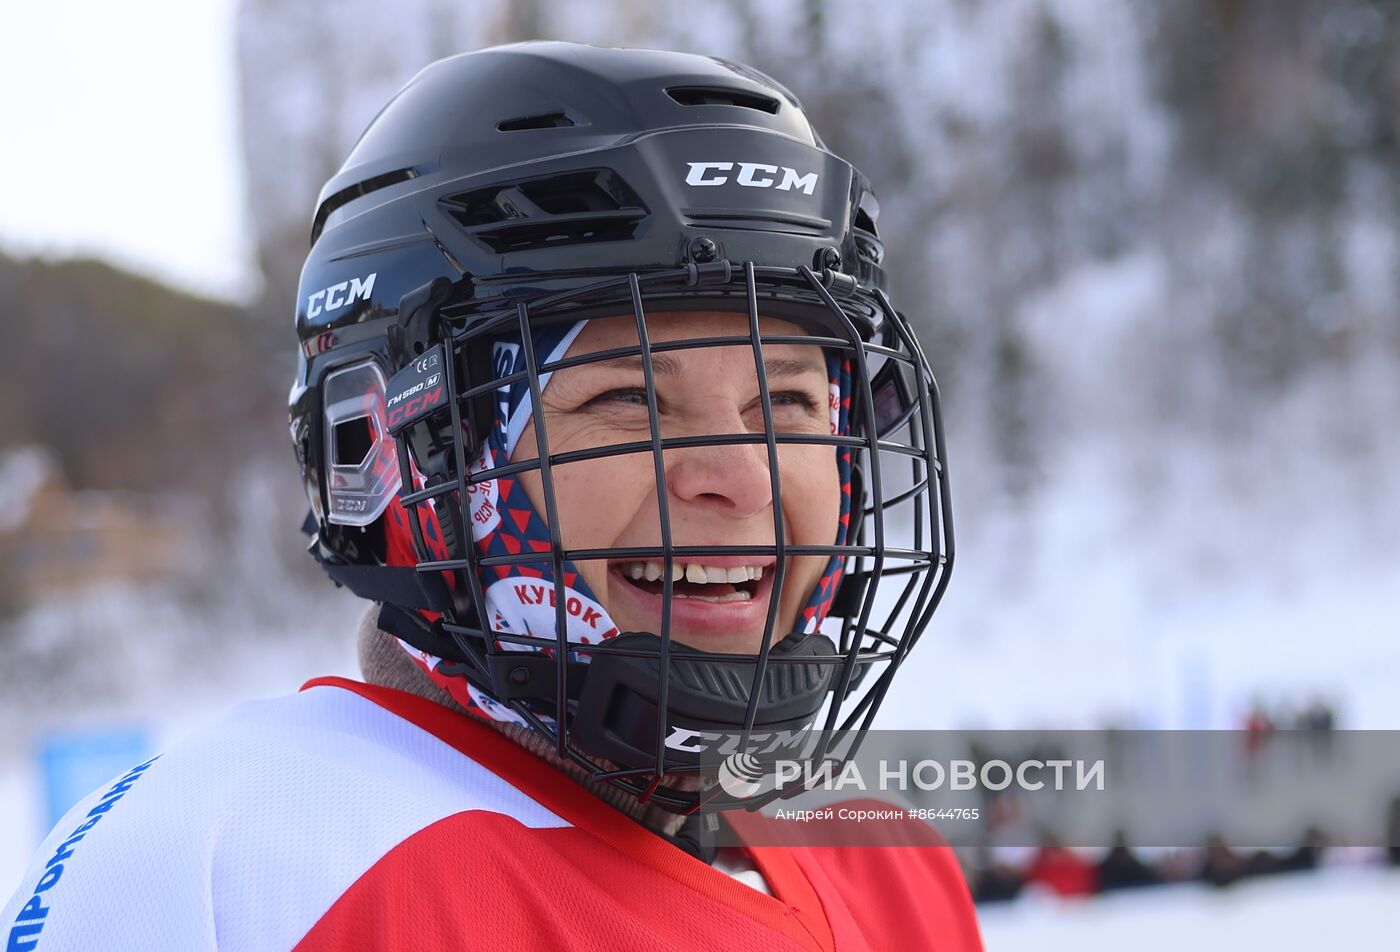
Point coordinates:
pixel 900 495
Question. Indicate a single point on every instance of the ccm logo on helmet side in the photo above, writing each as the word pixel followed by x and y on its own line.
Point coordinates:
pixel 751 175
pixel 340 295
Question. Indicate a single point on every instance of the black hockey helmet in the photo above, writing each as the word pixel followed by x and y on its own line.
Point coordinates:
pixel 509 194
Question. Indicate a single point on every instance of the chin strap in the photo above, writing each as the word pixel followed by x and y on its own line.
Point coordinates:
pixel 396 585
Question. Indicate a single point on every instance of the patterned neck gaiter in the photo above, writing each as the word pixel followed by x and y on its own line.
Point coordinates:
pixel 520 598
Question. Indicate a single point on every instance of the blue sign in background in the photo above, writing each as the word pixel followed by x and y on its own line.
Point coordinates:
pixel 74 763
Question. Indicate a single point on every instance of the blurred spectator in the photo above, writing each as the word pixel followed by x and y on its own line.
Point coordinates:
pixel 998 882
pixel 1061 871
pixel 1121 869
pixel 1222 865
pixel 1258 728
pixel 1318 716
pixel 1179 865
pixel 1318 720
pixel 1308 855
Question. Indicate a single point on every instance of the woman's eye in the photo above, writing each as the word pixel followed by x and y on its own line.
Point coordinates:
pixel 794 398
pixel 634 396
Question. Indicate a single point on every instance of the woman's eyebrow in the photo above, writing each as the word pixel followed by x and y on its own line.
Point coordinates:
pixel 664 365
pixel 661 364
pixel 792 367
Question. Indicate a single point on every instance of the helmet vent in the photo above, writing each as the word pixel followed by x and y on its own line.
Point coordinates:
pixel 549 120
pixel 573 208
pixel 867 239
pixel 717 96
pixel 345 196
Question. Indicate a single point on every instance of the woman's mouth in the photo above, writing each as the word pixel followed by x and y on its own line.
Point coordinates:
pixel 711 597
pixel 715 583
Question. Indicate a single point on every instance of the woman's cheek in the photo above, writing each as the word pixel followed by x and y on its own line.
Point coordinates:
pixel 572 484
pixel 582 521
pixel 812 511
pixel 812 506
pixel 596 500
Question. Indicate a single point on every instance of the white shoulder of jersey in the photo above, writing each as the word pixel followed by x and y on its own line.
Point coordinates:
pixel 243 835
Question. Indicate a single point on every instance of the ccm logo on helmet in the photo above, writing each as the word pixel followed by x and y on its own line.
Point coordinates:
pixel 751 175
pixel 758 742
pixel 339 295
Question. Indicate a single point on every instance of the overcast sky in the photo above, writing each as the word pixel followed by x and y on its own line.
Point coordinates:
pixel 120 138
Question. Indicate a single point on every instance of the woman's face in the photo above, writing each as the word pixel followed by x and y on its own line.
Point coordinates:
pixel 716 495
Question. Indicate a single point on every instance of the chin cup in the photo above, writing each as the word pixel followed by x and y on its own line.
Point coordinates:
pixel 706 701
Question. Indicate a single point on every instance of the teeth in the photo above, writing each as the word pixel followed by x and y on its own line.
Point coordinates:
pixel 694 573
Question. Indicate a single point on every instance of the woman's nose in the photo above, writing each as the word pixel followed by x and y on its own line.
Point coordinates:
pixel 732 478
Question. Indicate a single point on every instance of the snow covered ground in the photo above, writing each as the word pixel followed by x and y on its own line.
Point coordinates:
pixel 1342 908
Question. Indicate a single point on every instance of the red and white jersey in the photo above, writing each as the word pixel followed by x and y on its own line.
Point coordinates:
pixel 350 816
